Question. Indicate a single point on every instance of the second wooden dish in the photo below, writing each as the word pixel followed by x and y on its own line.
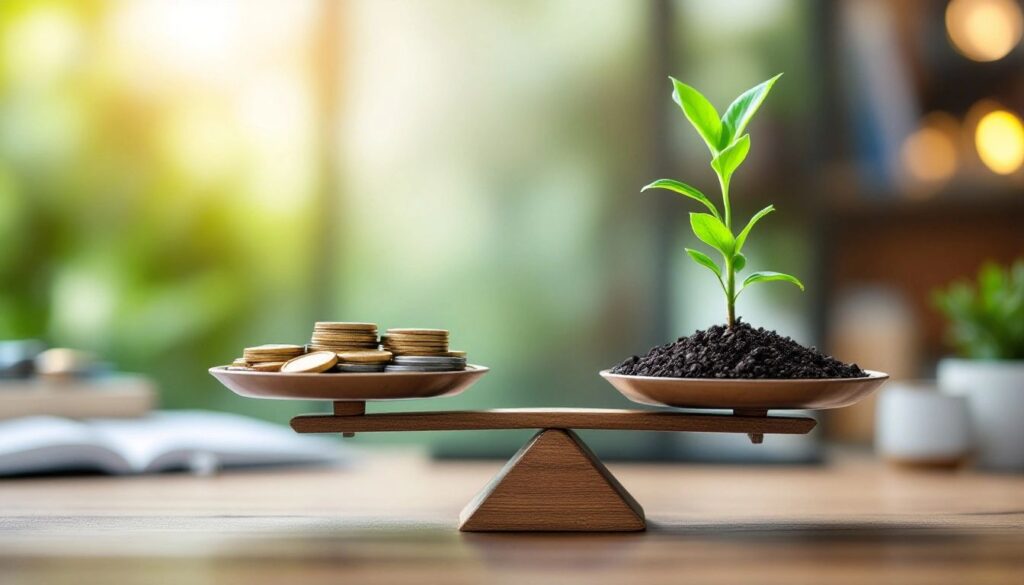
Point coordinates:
pixel 811 394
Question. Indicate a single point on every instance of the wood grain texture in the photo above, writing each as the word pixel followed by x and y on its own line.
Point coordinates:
pixel 553 484
pixel 393 520
pixel 551 418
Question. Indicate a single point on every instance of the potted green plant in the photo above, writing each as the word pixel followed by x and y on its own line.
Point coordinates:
pixel 986 327
pixel 734 365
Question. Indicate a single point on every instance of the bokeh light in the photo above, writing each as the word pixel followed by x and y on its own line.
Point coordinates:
pixel 984 30
pixel 929 155
pixel 999 139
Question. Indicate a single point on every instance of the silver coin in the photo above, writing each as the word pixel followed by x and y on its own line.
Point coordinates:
pixel 425 360
pixel 360 367
pixel 423 368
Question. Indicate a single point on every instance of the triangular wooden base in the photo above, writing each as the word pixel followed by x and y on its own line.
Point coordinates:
pixel 554 483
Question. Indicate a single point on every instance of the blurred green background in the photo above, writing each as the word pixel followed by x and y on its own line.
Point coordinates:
pixel 181 179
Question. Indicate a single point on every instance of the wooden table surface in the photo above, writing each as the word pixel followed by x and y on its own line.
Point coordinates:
pixel 393 520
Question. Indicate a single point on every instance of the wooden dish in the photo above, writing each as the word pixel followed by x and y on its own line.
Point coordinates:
pixel 348 386
pixel 812 394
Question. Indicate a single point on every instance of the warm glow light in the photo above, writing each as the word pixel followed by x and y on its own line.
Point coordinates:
pixel 984 30
pixel 929 154
pixel 999 139
pixel 41 45
pixel 197 38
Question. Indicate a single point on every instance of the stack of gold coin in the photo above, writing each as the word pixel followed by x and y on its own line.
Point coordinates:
pixel 338 336
pixel 372 360
pixel 428 342
pixel 268 358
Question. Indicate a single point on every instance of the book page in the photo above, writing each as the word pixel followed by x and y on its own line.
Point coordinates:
pixel 45 444
pixel 204 441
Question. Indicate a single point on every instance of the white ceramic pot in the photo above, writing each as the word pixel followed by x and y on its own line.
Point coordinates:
pixel 918 425
pixel 995 397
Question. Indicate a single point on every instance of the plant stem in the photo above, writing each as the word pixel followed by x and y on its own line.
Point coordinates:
pixel 730 273
pixel 725 201
pixel 730 293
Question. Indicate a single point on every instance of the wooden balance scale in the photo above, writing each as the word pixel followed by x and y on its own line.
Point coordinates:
pixel 554 482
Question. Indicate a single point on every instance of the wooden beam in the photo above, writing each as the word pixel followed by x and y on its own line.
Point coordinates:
pixel 552 418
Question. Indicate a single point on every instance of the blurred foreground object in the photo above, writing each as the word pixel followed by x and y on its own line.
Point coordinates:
pixel 195 441
pixel 17 357
pixel 920 427
pixel 61 362
pixel 113 396
pixel 987 329
pixel 67 382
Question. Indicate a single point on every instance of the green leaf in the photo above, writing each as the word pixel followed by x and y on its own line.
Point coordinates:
pixel 742 238
pixel 702 259
pixel 740 112
pixel 739 261
pixel 713 232
pixel 766 276
pixel 699 112
pixel 731 157
pixel 683 189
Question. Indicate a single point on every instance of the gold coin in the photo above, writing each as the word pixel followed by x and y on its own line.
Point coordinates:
pixel 267 366
pixel 455 353
pixel 365 357
pixel 414 343
pixel 408 331
pixel 363 339
pixel 341 348
pixel 272 353
pixel 240 362
pixel 344 325
pixel 251 357
pixel 311 363
pixel 366 345
pixel 275 347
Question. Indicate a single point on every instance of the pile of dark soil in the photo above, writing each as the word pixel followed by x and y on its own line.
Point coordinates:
pixel 740 352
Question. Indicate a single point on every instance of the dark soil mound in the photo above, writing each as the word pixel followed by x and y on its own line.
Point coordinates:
pixel 740 352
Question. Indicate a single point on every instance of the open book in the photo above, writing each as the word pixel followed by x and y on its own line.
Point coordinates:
pixel 197 441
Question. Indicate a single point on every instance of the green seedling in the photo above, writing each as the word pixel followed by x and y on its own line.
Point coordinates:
pixel 729 147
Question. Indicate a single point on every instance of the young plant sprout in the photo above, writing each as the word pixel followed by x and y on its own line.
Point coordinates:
pixel 729 147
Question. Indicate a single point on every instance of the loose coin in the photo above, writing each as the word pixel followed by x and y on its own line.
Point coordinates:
pixel 318 361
